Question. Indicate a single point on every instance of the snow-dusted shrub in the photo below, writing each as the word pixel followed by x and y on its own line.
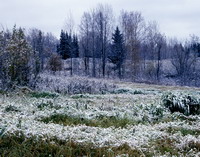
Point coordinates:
pixel 11 108
pixel 43 95
pixel 73 85
pixel 121 91
pixel 55 63
pixel 2 91
pixel 77 96
pixel 183 103
pixel 127 91
pixel 44 105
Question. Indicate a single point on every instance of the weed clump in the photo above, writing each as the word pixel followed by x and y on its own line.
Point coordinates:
pixel 127 91
pixel 100 121
pixel 165 146
pixel 184 131
pixel 2 92
pixel 186 104
pixel 79 96
pixel 73 85
pixel 11 108
pixel 43 95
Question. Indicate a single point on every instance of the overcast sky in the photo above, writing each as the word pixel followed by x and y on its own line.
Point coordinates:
pixel 178 18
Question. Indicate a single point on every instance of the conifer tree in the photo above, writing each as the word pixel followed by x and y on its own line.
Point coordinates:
pixel 18 58
pixel 62 46
pixel 117 55
pixel 69 45
pixel 75 47
pixel 65 48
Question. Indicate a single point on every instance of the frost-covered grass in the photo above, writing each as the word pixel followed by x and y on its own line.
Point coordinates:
pixel 43 95
pixel 184 131
pixel 101 121
pixel 73 85
pixel 18 145
pixel 109 123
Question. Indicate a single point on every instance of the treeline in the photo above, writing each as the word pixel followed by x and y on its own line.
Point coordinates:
pixel 23 56
pixel 134 49
pixel 129 48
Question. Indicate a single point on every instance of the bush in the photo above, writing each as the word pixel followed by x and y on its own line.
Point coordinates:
pixel 3 92
pixel 186 104
pixel 73 85
pixel 55 63
pixel 11 108
pixel 43 105
pixel 43 95
pixel 48 104
pixel 79 96
pixel 127 91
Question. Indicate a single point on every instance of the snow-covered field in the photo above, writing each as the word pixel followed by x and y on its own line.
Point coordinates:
pixel 140 105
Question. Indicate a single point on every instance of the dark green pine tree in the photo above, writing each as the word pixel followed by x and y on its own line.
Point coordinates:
pixel 68 45
pixel 196 48
pixel 75 47
pixel 118 52
pixel 63 47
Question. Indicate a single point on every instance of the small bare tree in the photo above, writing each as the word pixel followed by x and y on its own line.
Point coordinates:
pixel 55 63
pixel 95 33
pixel 104 20
pixel 160 43
pixel 70 27
pixel 85 34
pixel 155 43
pixel 133 26
pixel 183 61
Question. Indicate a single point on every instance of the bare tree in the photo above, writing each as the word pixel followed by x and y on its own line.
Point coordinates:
pixel 183 61
pixel 43 45
pixel 133 27
pixel 36 39
pixel 93 43
pixel 95 33
pixel 55 63
pixel 155 43
pixel 160 43
pixel 69 27
pixel 85 34
pixel 104 19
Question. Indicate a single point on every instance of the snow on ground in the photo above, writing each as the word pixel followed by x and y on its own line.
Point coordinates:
pixel 21 113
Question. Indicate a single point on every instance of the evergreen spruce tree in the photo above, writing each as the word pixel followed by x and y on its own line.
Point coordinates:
pixel 117 54
pixel 75 47
pixel 196 48
pixel 63 46
pixel 68 48
pixel 69 45
pixel 18 58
